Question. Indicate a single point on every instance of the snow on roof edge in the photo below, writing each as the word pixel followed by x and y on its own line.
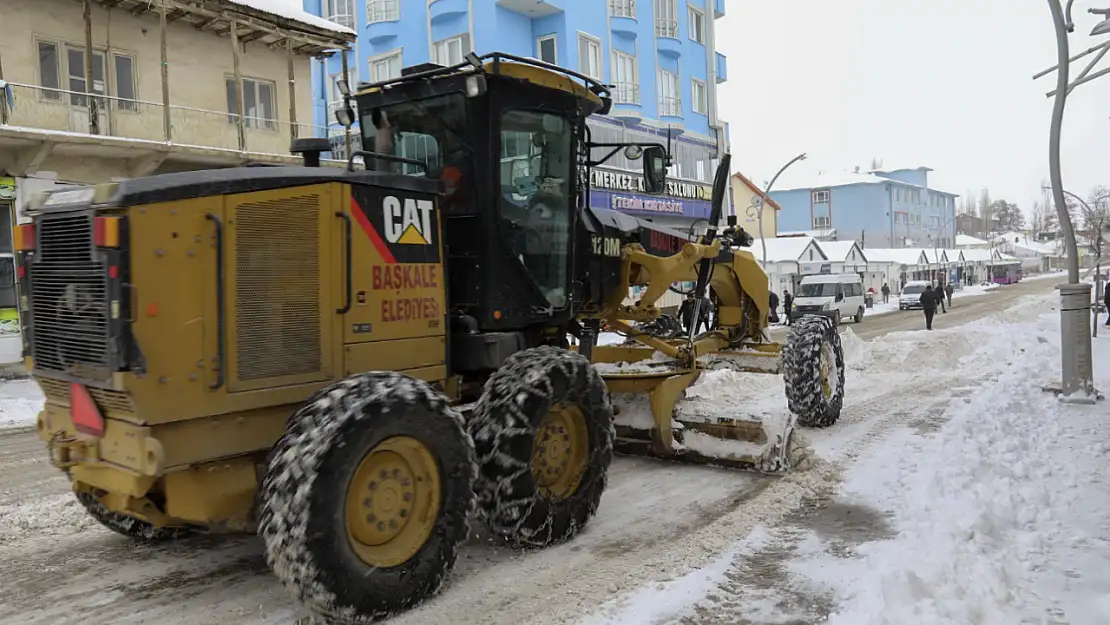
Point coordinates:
pixel 291 10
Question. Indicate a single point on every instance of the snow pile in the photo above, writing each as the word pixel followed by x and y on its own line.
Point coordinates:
pixel 57 515
pixel 1001 513
pixel 20 403
pixel 658 363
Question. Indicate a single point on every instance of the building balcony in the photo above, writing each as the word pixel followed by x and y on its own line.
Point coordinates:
pixel 343 19
pixel 439 10
pixel 670 109
pixel 722 68
pixel 626 27
pixel 667 42
pixel 718 8
pixel 382 20
pixel 44 124
pixel 532 8
pixel 626 102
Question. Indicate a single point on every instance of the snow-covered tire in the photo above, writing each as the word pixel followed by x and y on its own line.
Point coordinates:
pixel 128 526
pixel 505 423
pixel 801 357
pixel 303 516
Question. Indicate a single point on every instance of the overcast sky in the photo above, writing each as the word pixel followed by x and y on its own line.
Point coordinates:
pixel 941 83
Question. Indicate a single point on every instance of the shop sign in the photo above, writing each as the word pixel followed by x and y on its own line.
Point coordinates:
pixel 647 204
pixel 618 181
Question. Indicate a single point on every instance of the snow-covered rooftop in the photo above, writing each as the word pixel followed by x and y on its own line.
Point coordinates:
pixel 825 179
pixel 899 255
pixel 1024 241
pixel 816 234
pixel 788 249
pixel 838 250
pixel 977 255
pixel 292 10
pixel 966 240
pixel 901 167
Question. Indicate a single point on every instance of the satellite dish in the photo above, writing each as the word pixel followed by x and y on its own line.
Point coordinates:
pixel 757 201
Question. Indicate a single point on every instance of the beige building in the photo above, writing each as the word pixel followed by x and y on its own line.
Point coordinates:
pixel 175 85
pixel 744 191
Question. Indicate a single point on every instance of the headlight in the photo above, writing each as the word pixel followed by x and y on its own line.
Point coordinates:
pixel 825 306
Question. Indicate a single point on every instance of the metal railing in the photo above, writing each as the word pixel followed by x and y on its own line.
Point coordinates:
pixel 60 110
pixel 626 93
pixel 622 8
pixel 343 19
pixel 666 28
pixel 669 106
pixel 382 11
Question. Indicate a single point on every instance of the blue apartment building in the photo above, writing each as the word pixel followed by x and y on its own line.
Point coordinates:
pixel 658 55
pixel 885 208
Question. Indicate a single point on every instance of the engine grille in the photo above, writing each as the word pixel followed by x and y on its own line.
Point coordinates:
pixel 69 295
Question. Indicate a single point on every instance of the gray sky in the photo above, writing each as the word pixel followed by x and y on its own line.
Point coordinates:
pixel 943 83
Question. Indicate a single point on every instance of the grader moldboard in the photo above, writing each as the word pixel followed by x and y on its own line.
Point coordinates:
pixel 354 362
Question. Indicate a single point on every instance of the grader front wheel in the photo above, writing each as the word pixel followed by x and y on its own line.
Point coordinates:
pixel 367 497
pixel 543 431
pixel 813 371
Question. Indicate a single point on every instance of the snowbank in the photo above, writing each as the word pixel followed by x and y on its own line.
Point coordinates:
pixel 1000 513
pixel 20 403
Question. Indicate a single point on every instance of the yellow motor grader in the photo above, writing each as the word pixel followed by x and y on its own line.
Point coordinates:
pixel 356 362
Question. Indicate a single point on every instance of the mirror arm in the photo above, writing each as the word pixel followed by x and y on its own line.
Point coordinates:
pixel 617 147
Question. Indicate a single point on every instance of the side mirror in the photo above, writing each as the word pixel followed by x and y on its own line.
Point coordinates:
pixel 655 169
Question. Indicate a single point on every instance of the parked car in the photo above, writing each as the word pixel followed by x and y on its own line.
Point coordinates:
pixel 910 297
pixel 837 296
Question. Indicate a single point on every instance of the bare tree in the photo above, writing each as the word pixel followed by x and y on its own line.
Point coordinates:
pixel 986 213
pixel 876 163
pixel 1038 216
pixel 1095 220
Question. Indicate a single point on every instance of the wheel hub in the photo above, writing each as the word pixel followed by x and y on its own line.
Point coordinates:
pixel 828 370
pixel 392 501
pixel 560 452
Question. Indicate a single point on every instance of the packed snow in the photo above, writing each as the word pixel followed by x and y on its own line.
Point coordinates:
pixel 20 402
pixel 987 506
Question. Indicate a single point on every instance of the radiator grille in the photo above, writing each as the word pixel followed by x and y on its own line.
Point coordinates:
pixel 69 292
pixel 277 288
pixel 106 400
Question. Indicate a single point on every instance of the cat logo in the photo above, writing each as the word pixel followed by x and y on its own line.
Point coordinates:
pixel 409 223
pixel 607 246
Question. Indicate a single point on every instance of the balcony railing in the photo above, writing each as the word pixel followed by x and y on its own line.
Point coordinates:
pixel 622 8
pixel 41 108
pixel 626 93
pixel 382 11
pixel 671 107
pixel 666 28
pixel 343 19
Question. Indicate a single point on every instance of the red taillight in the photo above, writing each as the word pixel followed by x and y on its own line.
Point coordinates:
pixel 21 271
pixel 106 231
pixel 84 411
pixel 113 272
pixel 24 235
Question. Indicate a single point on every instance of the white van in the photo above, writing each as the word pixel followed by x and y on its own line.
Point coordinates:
pixel 836 295
pixel 910 297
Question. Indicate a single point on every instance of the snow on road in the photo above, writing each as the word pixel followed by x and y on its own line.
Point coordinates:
pixel 672 544
pixel 984 505
pixel 20 401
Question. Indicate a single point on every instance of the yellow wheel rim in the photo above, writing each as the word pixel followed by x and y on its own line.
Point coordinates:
pixel 392 502
pixel 560 452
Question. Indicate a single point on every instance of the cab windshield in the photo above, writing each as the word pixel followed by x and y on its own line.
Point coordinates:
pixel 914 289
pixel 817 289
pixel 430 130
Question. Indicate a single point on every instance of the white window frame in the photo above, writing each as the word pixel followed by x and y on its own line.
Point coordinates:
pixel 666 18
pixel 622 8
pixel 255 122
pixel 626 88
pixel 386 59
pixel 554 39
pixel 383 11
pixel 342 12
pixel 594 43
pixel 699 105
pixel 443 48
pixel 695 16
pixel 670 104
pixel 821 222
pixel 821 197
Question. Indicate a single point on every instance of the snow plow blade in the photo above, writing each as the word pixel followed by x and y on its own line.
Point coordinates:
pixel 687 414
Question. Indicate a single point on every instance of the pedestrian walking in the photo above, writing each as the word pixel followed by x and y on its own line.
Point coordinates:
pixel 929 304
pixel 1106 300
pixel 948 293
pixel 787 306
pixel 886 293
pixel 774 316
pixel 686 312
pixel 938 295
pixel 704 314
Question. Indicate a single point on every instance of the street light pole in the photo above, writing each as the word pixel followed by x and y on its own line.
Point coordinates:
pixel 767 195
pixel 1077 383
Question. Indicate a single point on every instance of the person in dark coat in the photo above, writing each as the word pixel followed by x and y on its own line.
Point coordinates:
pixel 938 295
pixel 929 301
pixel 686 312
pixel 774 316
pixel 948 294
pixel 704 314
pixel 1106 300
pixel 886 293
pixel 787 305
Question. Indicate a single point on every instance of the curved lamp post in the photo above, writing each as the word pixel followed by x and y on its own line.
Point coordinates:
pixel 1077 381
pixel 767 196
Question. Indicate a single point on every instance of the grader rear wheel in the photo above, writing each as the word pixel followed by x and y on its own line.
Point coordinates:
pixel 367 497
pixel 543 431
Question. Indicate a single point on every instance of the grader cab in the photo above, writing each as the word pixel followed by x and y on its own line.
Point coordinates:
pixel 354 362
